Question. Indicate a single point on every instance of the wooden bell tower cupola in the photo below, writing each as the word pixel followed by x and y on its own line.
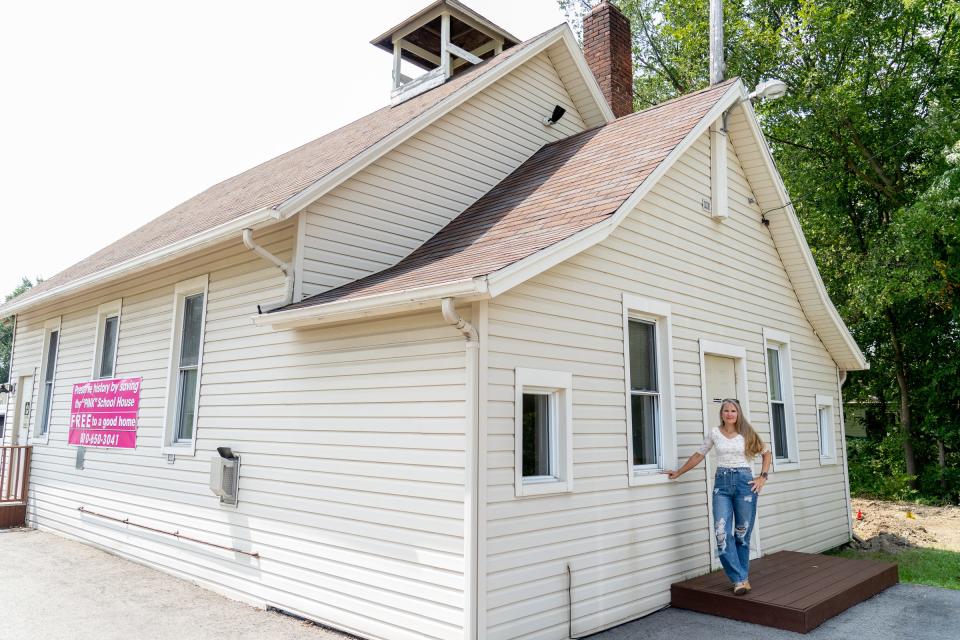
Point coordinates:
pixel 443 39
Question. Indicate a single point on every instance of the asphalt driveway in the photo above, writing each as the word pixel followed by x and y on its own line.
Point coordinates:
pixel 54 588
pixel 902 612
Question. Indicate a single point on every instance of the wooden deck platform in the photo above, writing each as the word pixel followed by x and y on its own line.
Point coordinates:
pixel 792 591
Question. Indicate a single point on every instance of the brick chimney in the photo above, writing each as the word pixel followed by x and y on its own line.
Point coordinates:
pixel 607 47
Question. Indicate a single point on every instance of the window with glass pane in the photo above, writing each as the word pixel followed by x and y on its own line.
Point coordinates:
pixel 537 435
pixel 825 420
pixel 644 393
pixel 778 412
pixel 107 356
pixel 48 377
pixel 187 373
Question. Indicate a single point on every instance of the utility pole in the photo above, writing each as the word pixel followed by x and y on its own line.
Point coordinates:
pixel 716 42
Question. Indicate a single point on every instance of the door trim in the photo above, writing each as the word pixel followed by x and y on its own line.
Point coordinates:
pixel 739 355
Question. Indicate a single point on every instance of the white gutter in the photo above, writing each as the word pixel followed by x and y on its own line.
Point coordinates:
pixel 13 344
pixel 471 472
pixel 375 305
pixel 285 267
pixel 216 234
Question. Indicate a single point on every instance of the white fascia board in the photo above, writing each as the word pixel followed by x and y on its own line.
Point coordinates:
pixel 376 305
pixel 224 231
pixel 855 360
pixel 522 270
pixel 561 32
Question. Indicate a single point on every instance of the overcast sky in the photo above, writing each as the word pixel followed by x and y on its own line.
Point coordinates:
pixel 113 112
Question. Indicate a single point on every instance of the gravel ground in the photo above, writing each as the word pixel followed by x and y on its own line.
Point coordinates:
pixel 54 588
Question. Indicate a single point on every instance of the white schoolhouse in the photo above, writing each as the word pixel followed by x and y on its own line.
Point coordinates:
pixel 449 347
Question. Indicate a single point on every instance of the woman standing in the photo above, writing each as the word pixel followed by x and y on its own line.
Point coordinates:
pixel 735 489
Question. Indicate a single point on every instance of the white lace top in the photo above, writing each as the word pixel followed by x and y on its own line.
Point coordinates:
pixel 729 450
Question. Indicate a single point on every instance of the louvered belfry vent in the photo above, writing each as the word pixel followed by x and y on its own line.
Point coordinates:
pixel 442 40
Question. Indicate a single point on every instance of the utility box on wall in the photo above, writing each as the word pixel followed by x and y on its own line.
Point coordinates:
pixel 225 475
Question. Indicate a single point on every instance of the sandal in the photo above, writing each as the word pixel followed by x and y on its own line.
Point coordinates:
pixel 741 588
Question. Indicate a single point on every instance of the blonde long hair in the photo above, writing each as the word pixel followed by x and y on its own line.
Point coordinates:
pixel 752 444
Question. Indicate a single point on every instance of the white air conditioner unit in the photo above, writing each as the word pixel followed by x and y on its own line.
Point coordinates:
pixel 225 475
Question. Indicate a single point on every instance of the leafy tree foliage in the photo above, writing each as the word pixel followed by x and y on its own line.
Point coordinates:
pixel 865 141
pixel 6 332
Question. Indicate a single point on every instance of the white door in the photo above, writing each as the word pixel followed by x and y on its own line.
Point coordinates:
pixel 721 383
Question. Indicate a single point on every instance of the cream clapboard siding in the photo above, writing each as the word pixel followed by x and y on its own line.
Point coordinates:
pixel 383 213
pixel 626 545
pixel 352 445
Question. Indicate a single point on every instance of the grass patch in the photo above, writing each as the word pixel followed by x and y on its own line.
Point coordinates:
pixel 933 567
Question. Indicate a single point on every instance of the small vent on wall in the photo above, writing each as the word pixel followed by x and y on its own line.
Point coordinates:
pixel 705 203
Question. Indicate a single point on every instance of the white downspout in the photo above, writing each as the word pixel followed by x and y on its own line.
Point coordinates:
pixel 471 490
pixel 11 389
pixel 285 267
pixel 841 379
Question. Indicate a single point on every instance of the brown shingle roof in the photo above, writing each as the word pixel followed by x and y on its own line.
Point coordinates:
pixel 272 183
pixel 564 188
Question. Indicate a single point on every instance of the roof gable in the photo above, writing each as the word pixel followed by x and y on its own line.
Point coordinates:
pixel 569 196
pixel 561 190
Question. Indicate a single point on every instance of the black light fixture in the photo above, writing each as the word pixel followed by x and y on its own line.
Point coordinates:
pixel 558 112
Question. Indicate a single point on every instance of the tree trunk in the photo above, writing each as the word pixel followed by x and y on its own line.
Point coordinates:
pixel 942 461
pixel 905 418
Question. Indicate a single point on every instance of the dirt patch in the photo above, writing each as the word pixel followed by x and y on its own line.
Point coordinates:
pixel 894 526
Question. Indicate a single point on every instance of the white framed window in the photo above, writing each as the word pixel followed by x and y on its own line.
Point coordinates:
pixel 186 360
pixel 825 431
pixel 543 432
pixel 105 347
pixel 783 417
pixel 48 378
pixel 648 381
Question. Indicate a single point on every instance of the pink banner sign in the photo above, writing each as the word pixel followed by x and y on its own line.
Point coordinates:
pixel 103 413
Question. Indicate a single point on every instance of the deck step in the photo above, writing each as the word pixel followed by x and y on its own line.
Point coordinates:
pixel 791 590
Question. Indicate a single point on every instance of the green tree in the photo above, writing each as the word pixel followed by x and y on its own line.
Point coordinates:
pixel 873 89
pixel 6 332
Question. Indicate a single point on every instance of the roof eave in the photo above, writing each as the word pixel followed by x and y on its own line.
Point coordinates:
pixel 404 301
pixel 254 219
pixel 853 360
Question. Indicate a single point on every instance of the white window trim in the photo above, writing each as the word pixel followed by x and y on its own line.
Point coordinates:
pixel 658 312
pixel 200 284
pixel 780 340
pixel 560 383
pixel 104 311
pixel 51 325
pixel 830 457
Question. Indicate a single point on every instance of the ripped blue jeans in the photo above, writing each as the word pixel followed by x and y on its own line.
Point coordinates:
pixel 734 512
